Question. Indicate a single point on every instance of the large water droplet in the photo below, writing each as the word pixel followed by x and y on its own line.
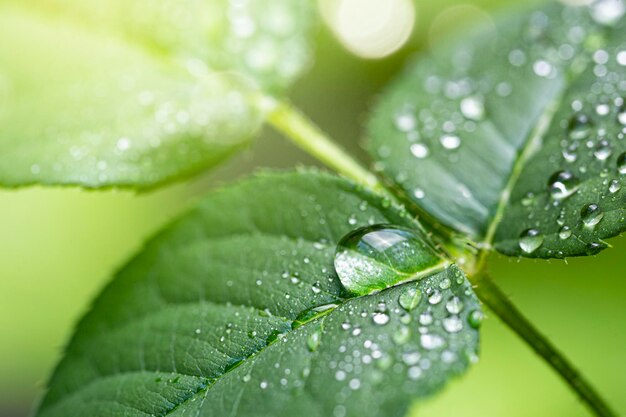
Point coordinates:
pixel 579 126
pixel 376 257
pixel 410 298
pixel 591 214
pixel 530 240
pixel 563 184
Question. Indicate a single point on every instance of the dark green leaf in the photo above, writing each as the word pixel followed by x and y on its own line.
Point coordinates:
pixel 125 93
pixel 475 133
pixel 236 310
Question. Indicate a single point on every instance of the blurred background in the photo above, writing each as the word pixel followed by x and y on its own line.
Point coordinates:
pixel 58 247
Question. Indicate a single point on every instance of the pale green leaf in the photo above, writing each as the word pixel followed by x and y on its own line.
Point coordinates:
pixel 129 93
pixel 235 310
pixel 474 133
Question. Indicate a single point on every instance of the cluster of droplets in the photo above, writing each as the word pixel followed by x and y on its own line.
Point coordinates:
pixel 456 105
pixel 589 152
pixel 270 37
pixel 411 333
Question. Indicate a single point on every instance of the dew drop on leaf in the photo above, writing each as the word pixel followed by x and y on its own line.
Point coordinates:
pixel 621 163
pixel 579 126
pixel 565 232
pixel 475 318
pixel 473 108
pixel 452 324
pixel 591 215
pixel 454 305
pixel 379 256
pixel 563 184
pixel 530 240
pixel 603 150
pixel 419 150
pixel 410 298
pixel 450 141
pixel 314 340
pixel 614 186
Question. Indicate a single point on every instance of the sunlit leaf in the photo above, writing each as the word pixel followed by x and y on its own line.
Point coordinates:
pixel 478 132
pixel 236 310
pixel 129 93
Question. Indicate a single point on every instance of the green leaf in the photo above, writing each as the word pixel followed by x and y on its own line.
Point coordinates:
pixel 476 133
pixel 124 93
pixel 235 309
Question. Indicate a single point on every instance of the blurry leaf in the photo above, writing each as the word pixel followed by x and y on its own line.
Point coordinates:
pixel 510 133
pixel 236 310
pixel 129 93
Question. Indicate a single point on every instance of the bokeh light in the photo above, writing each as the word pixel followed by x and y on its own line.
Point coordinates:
pixel 370 28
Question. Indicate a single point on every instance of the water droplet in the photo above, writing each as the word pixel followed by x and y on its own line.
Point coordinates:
pixel 419 193
pixel 419 150
pixel 426 319
pixel 475 318
pixel 563 184
pixel 614 186
pixel 376 257
pixel 314 340
pixel 473 108
pixel 565 232
pixel 431 341
pixel 410 298
pixel 530 240
pixel 450 141
pixel 380 318
pixel 435 297
pixel 603 150
pixel 454 305
pixel 264 384
pixel 579 126
pixel 405 121
pixel 414 372
pixel 621 163
pixel 621 115
pixel 543 68
pixel 402 335
pixel 591 215
pixel 528 199
pixel 452 324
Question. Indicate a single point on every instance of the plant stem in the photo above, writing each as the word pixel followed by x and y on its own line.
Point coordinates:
pixel 493 297
pixel 301 131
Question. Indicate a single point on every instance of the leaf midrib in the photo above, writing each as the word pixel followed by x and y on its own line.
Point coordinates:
pixel 532 145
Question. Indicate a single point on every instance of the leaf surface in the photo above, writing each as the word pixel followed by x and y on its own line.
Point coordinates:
pixel 477 132
pixel 134 94
pixel 236 310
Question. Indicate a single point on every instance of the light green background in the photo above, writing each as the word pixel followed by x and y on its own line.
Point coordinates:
pixel 58 247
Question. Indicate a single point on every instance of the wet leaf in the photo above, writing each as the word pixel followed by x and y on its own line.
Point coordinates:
pixel 512 131
pixel 235 309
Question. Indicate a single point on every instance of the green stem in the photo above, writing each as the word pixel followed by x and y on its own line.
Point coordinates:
pixel 301 131
pixel 493 297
